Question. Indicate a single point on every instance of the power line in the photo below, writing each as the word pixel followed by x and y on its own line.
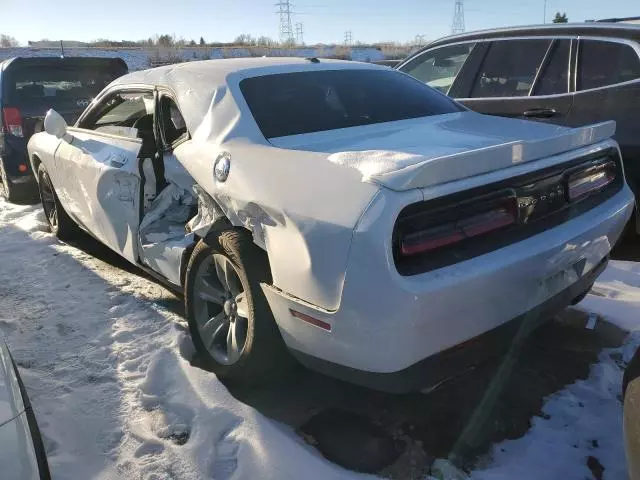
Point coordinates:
pixel 299 33
pixel 286 29
pixel 457 26
pixel 348 37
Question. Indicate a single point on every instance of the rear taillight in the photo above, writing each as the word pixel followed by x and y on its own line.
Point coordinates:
pixel 12 121
pixel 590 180
pixel 500 215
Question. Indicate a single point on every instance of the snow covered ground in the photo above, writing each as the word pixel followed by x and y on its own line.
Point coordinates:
pixel 105 360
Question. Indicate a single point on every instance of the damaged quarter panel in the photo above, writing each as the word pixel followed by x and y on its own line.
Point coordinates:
pixel 300 208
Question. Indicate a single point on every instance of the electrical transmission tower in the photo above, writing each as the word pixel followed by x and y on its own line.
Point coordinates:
pixel 458 18
pixel 286 29
pixel 299 33
pixel 348 37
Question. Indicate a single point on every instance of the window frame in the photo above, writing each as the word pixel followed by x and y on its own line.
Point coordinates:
pixel 97 104
pixel 486 42
pixel 472 50
pixel 623 41
pixel 164 91
pixel 547 61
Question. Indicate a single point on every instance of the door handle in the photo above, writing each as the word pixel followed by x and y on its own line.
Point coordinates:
pixel 540 113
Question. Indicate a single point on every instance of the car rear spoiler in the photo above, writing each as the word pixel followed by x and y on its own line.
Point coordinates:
pixel 470 163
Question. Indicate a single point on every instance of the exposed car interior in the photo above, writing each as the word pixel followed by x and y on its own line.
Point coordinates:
pixel 167 200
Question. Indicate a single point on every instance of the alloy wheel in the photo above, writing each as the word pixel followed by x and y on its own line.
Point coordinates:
pixel 49 202
pixel 221 310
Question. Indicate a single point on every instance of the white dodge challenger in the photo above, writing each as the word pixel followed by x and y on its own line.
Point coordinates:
pixel 342 212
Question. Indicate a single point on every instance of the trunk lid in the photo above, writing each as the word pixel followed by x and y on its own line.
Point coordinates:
pixel 429 151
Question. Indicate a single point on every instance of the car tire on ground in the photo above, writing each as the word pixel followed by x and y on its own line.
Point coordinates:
pixel 9 191
pixel 59 222
pixel 230 320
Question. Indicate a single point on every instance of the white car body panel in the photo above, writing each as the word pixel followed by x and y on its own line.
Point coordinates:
pixel 98 182
pixel 460 145
pixel 17 454
pixel 405 319
pixel 323 206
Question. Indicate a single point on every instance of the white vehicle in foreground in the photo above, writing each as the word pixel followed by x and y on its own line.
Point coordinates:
pixel 345 211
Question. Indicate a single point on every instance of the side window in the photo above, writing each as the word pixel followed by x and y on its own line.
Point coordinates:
pixel 439 68
pixel 606 63
pixel 555 77
pixel 509 68
pixel 124 114
pixel 173 124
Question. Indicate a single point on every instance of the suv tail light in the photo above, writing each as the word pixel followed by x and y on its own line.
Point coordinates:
pixel 496 215
pixel 12 121
pixel 590 180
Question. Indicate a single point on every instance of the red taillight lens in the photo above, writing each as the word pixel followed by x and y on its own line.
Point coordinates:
pixel 591 180
pixel 475 225
pixel 12 121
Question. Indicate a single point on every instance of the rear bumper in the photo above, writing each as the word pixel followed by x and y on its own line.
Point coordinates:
pixel 386 323
pixel 461 358
pixel 16 159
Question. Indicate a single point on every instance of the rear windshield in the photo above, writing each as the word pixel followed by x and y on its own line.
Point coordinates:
pixel 68 87
pixel 305 102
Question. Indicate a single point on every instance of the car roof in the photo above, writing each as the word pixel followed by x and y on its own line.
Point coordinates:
pixel 221 68
pixel 199 85
pixel 54 62
pixel 627 31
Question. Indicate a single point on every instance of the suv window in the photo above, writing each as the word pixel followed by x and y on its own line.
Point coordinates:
pixel 555 77
pixel 606 63
pixel 124 114
pixel 304 102
pixel 509 68
pixel 173 124
pixel 439 68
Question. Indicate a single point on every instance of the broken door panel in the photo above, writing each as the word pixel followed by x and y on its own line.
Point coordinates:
pixel 105 191
pixel 163 234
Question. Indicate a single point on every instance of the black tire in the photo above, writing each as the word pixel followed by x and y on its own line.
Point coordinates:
pixel 9 191
pixel 59 222
pixel 264 357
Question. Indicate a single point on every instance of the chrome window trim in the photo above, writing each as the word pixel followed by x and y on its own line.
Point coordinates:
pixel 623 41
pixel 412 58
pixel 633 44
pixel 543 66
pixel 487 40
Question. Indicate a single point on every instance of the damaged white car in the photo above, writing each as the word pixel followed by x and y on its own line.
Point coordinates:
pixel 343 212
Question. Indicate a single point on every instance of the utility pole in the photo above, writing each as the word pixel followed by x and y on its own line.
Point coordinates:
pixel 299 33
pixel 544 20
pixel 286 29
pixel 457 26
pixel 348 37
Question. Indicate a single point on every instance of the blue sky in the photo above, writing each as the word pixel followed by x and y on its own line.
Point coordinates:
pixel 323 20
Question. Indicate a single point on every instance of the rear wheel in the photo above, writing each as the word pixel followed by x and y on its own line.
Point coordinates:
pixel 8 191
pixel 59 222
pixel 230 321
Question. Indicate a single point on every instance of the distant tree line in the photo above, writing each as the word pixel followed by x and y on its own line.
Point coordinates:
pixel 165 40
pixel 7 41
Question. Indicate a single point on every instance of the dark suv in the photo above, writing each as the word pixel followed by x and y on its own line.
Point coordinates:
pixel 31 86
pixel 571 74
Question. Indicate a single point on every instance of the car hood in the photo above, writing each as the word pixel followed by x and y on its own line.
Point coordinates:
pixel 432 150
